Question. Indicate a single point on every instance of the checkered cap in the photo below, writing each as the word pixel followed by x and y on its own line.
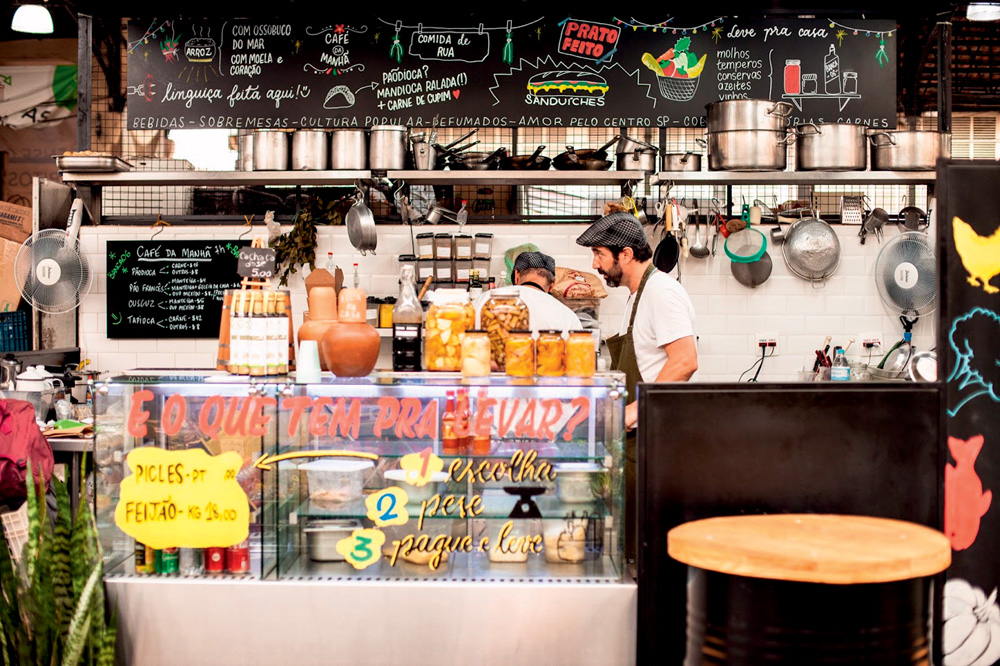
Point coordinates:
pixel 614 230
pixel 527 260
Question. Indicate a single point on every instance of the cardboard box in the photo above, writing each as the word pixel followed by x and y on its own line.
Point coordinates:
pixel 15 222
pixel 10 296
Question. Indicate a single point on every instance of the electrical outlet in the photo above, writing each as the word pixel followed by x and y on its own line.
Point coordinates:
pixel 768 341
pixel 871 341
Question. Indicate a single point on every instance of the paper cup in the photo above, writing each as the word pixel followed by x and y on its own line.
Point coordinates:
pixel 307 368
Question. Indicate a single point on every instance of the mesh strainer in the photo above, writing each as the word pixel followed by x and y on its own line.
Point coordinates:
pixel 746 246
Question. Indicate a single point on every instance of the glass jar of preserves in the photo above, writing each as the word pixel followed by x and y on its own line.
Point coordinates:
pixel 550 354
pixel 581 353
pixel 503 313
pixel 519 351
pixel 447 321
pixel 476 354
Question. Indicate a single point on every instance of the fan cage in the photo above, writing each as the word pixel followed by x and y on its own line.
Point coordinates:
pixel 75 276
pixel 912 248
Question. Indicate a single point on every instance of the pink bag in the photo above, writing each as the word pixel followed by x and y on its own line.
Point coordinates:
pixel 21 441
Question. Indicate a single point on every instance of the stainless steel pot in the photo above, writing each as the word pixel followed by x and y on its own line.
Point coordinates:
pixel 310 150
pixel 909 150
pixel 424 156
pixel 747 150
pixel 640 159
pixel 244 152
pixel 811 249
pixel 387 147
pixel 748 114
pixel 681 162
pixel 831 147
pixel 349 149
pixel 270 150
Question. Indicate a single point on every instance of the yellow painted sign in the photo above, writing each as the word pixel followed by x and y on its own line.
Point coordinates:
pixel 388 507
pixel 420 467
pixel 186 499
pixel 363 548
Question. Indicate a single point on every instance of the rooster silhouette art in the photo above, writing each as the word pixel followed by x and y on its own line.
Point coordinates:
pixel 965 501
pixel 980 254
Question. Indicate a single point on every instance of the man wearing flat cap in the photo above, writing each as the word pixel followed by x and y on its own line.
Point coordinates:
pixel 656 338
pixel 534 273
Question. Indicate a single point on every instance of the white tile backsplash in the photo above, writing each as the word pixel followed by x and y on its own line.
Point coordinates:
pixel 728 314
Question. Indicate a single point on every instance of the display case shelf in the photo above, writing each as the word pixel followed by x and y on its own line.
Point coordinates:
pixel 794 178
pixel 496 177
pixel 495 505
pixel 214 178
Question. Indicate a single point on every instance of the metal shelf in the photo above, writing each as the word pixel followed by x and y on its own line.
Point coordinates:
pixel 497 177
pixel 794 177
pixel 215 178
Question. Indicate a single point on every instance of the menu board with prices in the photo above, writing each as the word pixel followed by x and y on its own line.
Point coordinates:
pixel 170 288
pixel 527 69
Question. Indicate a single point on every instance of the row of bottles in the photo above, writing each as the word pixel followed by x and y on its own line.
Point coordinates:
pixel 458 436
pixel 254 334
pixel 192 561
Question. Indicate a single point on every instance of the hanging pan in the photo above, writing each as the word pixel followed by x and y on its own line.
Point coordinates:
pixel 361 225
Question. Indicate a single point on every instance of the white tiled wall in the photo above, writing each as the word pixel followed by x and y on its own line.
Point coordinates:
pixel 729 314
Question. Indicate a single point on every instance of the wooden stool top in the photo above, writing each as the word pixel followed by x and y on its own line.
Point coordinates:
pixel 812 548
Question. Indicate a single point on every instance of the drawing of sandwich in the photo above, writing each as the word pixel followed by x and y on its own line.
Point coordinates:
pixel 586 84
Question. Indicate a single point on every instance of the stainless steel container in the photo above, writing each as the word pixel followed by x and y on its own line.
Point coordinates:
pixel 424 156
pixel 909 150
pixel 349 149
pixel 322 537
pixel 747 114
pixel 387 147
pixel 681 162
pixel 244 152
pixel 310 150
pixel 640 159
pixel 270 150
pixel 831 147
pixel 747 150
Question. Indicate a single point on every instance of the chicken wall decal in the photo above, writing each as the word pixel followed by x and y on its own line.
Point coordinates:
pixel 965 501
pixel 980 254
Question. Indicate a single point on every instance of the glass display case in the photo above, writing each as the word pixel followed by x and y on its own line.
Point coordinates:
pixel 394 476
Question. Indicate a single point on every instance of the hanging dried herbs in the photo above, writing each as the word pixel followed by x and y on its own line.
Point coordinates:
pixel 298 247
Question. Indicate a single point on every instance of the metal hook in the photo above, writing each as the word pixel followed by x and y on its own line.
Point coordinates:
pixel 249 227
pixel 158 225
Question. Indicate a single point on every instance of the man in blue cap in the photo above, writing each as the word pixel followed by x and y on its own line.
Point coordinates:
pixel 534 273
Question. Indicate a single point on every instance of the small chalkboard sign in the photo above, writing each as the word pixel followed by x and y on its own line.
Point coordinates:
pixel 169 288
pixel 256 262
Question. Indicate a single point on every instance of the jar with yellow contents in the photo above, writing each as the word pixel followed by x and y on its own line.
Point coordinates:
pixel 520 354
pixel 581 353
pixel 447 321
pixel 550 354
pixel 503 313
pixel 475 354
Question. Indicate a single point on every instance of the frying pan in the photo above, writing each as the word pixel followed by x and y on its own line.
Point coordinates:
pixel 590 159
pixel 361 225
pixel 534 162
pixel 479 161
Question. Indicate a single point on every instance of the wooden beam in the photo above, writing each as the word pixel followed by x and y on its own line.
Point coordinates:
pixel 38 52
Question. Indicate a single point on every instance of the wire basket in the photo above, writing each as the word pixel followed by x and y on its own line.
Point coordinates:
pixel 14 331
pixel 746 246
pixel 15 530
pixel 678 90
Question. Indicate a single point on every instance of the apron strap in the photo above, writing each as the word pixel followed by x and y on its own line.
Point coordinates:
pixel 638 294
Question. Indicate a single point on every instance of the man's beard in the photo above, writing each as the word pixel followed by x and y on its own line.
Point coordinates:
pixel 614 276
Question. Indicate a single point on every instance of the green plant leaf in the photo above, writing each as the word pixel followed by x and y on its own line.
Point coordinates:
pixel 79 627
pixel 62 581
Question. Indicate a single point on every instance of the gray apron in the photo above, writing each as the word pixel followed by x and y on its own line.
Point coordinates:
pixel 622 351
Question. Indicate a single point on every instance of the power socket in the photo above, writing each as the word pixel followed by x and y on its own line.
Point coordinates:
pixel 768 341
pixel 871 341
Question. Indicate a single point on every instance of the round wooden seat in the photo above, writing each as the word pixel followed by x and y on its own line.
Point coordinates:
pixel 812 548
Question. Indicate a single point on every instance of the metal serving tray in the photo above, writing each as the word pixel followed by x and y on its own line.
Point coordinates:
pixel 95 163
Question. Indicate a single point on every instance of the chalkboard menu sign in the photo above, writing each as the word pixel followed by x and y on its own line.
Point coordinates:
pixel 169 289
pixel 535 70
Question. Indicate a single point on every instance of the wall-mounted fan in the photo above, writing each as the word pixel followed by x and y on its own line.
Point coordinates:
pixel 51 271
pixel 907 280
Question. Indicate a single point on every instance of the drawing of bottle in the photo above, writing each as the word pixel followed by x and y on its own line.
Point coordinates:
pixel 831 69
pixel 850 83
pixel 793 70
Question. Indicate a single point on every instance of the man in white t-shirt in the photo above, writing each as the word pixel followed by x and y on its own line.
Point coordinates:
pixel 656 339
pixel 534 274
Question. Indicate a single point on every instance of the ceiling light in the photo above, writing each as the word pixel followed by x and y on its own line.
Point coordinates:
pixel 983 11
pixel 32 18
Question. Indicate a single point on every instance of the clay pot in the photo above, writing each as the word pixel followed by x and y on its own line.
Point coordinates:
pixel 350 349
pixel 322 314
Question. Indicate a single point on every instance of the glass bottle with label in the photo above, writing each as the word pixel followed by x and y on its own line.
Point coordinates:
pixel 449 440
pixel 475 284
pixel 407 320
pixel 841 370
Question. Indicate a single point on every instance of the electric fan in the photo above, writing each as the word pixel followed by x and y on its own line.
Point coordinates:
pixel 907 280
pixel 51 272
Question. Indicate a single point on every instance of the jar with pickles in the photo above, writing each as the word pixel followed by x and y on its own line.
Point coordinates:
pixel 503 313
pixel 449 317
pixel 550 353
pixel 581 354
pixel 519 351
pixel 476 354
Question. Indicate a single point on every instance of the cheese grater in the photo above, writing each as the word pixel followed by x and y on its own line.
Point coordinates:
pixel 852 209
